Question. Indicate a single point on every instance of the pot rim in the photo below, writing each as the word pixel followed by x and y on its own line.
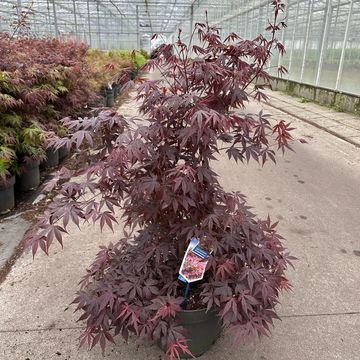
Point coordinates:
pixel 197 311
pixel 52 149
pixel 10 181
pixel 31 164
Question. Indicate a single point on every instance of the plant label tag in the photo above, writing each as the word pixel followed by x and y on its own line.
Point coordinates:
pixel 194 263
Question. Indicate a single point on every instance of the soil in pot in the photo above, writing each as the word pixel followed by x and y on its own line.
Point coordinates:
pixel 7 198
pixel 201 330
pixel 30 177
pixel 63 152
pixel 52 158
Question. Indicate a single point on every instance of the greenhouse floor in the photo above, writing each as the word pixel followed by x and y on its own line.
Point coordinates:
pixel 343 125
pixel 314 192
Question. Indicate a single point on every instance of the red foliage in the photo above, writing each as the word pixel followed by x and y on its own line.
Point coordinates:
pixel 47 78
pixel 159 174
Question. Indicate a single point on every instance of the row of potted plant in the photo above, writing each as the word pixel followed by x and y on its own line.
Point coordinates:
pixel 42 81
pixel 107 66
pixel 27 176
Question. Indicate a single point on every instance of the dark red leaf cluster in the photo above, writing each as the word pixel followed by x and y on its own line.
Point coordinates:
pixel 47 78
pixel 158 172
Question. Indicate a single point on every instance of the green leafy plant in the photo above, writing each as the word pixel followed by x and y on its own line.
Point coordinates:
pixel 31 143
pixel 304 100
pixel 140 60
pixel 7 160
pixel 105 65
pixel 18 144
pixel 144 53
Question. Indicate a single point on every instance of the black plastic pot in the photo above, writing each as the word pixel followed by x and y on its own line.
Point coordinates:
pixel 116 90
pixel 52 158
pixel 7 198
pixel 109 97
pixel 102 93
pixel 134 73
pixel 201 330
pixel 30 177
pixel 63 152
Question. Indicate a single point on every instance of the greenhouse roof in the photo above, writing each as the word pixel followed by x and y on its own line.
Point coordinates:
pixel 104 16
pixel 321 40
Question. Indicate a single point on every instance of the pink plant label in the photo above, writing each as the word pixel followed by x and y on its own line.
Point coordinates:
pixel 194 263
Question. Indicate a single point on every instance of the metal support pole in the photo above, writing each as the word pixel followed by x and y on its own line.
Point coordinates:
pixel 251 13
pixel 308 26
pixel 89 21
pixel 325 31
pixel 55 19
pixel 237 30
pixel 84 29
pixel 191 19
pixel 137 28
pixel 335 25
pixel 111 43
pixel 47 21
pixel 246 26
pixel 239 26
pixel 293 36
pixel 19 8
pixel 75 19
pixel 283 34
pixel 120 21
pixel 49 16
pixel 259 30
pixel 267 17
pixel 346 36
pixel 98 25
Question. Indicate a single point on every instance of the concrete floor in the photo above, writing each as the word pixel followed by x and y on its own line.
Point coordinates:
pixel 343 125
pixel 315 193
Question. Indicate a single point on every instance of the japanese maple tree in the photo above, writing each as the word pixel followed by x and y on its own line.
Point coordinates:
pixel 158 173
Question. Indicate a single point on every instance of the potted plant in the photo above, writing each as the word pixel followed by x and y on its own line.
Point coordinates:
pixel 8 123
pixel 63 152
pixel 115 86
pixel 7 179
pixel 30 151
pixel 51 158
pixel 159 174
pixel 109 96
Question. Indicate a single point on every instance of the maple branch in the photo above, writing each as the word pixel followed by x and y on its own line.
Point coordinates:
pixel 270 44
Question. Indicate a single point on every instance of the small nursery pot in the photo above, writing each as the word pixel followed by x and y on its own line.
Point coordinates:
pixel 7 198
pixel 103 95
pixel 52 158
pixel 116 90
pixel 63 152
pixel 134 73
pixel 109 97
pixel 30 177
pixel 201 330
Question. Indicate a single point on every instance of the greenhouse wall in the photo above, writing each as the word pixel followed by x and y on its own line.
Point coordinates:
pixel 321 40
